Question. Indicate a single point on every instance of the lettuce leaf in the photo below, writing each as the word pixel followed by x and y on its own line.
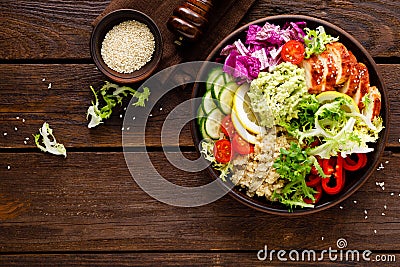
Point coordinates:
pixel 50 143
pixel 315 41
pixel 112 94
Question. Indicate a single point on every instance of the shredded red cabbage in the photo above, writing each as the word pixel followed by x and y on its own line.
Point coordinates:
pixel 263 49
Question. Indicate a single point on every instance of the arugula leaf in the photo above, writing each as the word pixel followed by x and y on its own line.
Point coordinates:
pixel 49 141
pixel 293 165
pixel 112 94
pixel 315 41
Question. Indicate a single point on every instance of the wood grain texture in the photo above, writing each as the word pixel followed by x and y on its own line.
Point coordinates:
pixel 90 202
pixel 52 29
pixel 179 259
pixel 375 24
pixel 23 94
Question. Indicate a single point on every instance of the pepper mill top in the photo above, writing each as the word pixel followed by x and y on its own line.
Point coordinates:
pixel 189 20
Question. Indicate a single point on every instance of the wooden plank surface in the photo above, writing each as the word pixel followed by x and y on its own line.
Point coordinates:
pixel 183 259
pixel 90 201
pixel 87 209
pixel 61 29
pixel 24 94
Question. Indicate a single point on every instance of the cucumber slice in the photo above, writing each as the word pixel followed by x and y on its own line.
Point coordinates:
pixel 213 123
pixel 200 115
pixel 214 73
pixel 226 97
pixel 218 83
pixel 203 129
pixel 208 103
pixel 228 78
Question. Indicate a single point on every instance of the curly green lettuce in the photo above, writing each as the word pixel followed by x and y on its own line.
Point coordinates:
pixel 315 41
pixel 49 141
pixel 207 147
pixel 111 95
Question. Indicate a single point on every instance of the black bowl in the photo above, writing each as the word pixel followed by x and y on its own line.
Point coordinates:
pixel 357 179
pixel 105 25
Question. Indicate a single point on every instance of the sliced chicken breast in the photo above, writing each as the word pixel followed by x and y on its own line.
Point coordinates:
pixel 373 106
pixel 363 87
pixel 342 60
pixel 330 71
pixel 351 85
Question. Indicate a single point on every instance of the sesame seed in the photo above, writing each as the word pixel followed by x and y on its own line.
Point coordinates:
pixel 122 129
pixel 23 120
pixel 44 79
pixel 5 133
pixel 134 118
pixel 383 214
pixel 49 87
pixel 128 46
pixel 375 231
pixel 392 194
pixel 25 142
pixel 322 238
pixel 17 118
pixel 355 201
pixel 8 167
pixel 151 115
pixel 27 138
pixel 366 217
pixel 365 211
pixel 341 207
pixel 120 115
pixel 385 207
pixel 15 128
pixel 387 162
pixel 160 109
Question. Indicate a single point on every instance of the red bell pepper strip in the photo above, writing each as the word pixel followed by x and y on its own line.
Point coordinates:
pixel 351 165
pixel 312 180
pixel 337 176
pixel 317 196
pixel 328 165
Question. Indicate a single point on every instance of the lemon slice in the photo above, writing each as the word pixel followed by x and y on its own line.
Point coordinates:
pixel 241 130
pixel 329 96
pixel 241 105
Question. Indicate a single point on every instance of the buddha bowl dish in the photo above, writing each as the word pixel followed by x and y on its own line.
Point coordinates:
pixel 295 120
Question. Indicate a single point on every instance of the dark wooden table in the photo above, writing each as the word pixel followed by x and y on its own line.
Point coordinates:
pixel 87 210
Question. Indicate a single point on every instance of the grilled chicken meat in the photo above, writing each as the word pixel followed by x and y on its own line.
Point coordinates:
pixel 338 69
pixel 373 107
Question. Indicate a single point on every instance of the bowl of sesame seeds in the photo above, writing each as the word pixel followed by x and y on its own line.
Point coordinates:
pixel 126 46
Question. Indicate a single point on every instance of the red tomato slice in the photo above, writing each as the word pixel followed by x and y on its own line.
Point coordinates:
pixel 227 126
pixel 293 52
pixel 223 151
pixel 241 146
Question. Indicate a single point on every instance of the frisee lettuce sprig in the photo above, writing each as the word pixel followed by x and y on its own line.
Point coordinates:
pixel 315 41
pixel 50 143
pixel 112 94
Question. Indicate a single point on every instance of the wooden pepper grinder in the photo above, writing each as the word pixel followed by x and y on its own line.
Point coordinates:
pixel 189 20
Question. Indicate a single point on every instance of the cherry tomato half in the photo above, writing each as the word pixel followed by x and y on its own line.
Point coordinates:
pixel 223 151
pixel 241 146
pixel 293 52
pixel 227 126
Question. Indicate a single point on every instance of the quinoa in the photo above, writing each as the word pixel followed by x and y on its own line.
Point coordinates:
pixel 128 46
pixel 254 172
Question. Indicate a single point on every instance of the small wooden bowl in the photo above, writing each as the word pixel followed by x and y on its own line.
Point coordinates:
pixel 105 25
